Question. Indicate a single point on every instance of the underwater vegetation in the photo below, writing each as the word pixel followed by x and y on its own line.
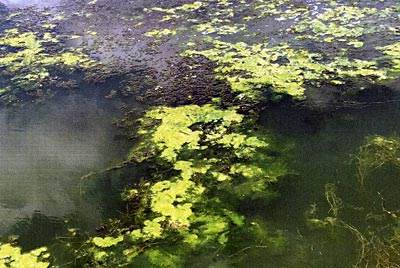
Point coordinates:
pixel 210 164
pixel 376 228
pixel 375 153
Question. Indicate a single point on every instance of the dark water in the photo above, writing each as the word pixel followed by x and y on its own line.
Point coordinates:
pixel 324 145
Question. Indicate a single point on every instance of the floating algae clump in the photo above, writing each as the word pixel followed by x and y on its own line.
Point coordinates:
pixel 30 60
pixel 11 256
pixel 337 24
pixel 311 45
pixel 392 53
pixel 284 70
pixel 174 131
pixel 190 137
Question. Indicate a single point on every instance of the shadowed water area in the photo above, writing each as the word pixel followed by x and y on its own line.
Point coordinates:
pixel 325 148
pixel 253 152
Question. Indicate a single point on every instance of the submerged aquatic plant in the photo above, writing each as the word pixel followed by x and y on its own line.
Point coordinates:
pixel 376 152
pixel 376 230
pixel 207 163
pixel 376 246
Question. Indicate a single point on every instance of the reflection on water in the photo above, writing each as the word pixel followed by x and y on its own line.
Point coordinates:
pixel 44 150
pixel 25 3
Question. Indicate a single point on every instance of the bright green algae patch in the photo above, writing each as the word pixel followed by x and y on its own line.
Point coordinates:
pixel 174 132
pixel 337 24
pixel 286 64
pixel 210 164
pixel 11 256
pixel 29 61
pixel 285 69
pixel 251 67
pixel 393 56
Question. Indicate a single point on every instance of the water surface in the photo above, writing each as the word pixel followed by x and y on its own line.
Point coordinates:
pixel 44 151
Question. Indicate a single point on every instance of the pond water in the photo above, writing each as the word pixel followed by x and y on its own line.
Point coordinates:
pixel 48 145
pixel 45 149
pixel 325 145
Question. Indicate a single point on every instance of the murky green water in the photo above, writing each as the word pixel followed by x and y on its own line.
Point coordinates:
pixel 325 144
pixel 46 148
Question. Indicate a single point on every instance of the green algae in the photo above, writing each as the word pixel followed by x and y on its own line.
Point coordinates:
pixel 175 136
pixel 11 256
pixel 160 33
pixel 203 155
pixel 252 68
pixel 174 132
pixel 192 205
pixel 282 68
pixel 392 53
pixel 29 60
pixel 337 23
pixel 106 242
